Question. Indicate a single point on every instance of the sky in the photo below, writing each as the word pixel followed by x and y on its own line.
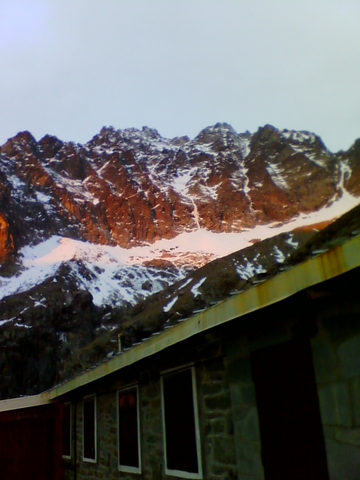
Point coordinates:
pixel 68 67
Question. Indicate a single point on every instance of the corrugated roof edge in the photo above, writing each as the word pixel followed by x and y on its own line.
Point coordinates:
pixel 312 271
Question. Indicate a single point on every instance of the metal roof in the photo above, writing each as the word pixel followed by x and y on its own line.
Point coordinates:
pixel 24 402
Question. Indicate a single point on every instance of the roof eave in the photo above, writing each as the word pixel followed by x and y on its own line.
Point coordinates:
pixel 24 402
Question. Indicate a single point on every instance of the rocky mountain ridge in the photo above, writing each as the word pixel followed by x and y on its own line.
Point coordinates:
pixel 129 187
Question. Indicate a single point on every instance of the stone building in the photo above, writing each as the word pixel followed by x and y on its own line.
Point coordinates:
pixel 263 385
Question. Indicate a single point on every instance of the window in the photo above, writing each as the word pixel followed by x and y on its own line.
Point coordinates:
pixel 129 430
pixel 89 429
pixel 181 424
pixel 67 430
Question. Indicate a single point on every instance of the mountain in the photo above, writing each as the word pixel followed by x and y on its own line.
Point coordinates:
pixel 129 187
pixel 90 233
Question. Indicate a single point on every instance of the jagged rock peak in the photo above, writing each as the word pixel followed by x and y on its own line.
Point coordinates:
pixel 268 134
pixel 354 149
pixel 218 133
pixel 22 141
pixel 23 138
pixel 110 136
pixel 215 132
pixel 50 145
pixel 150 132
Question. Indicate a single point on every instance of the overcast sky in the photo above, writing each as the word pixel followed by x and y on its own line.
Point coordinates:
pixel 69 67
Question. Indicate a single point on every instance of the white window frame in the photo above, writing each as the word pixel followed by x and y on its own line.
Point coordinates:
pixel 85 459
pixel 128 468
pixel 67 457
pixel 180 473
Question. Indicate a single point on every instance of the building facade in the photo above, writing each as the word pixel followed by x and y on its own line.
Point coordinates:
pixel 265 385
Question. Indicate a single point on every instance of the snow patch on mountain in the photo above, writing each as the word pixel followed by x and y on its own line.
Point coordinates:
pixel 169 306
pixel 275 173
pixel 249 269
pixel 108 276
pixel 278 254
pixel 290 241
pixel 183 285
pixel 180 183
pixel 244 144
pixel 195 289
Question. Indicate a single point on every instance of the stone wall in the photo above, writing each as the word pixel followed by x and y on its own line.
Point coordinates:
pixel 216 428
pixel 216 424
pixel 336 353
pixel 244 412
pixel 151 430
pixel 106 449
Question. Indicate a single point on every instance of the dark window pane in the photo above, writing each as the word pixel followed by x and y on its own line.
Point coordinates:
pixel 66 430
pixel 181 453
pixel 289 416
pixel 89 428
pixel 128 428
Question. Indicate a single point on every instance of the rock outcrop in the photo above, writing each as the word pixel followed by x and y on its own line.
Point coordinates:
pixel 7 246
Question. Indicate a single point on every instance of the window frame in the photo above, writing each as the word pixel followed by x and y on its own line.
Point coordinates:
pixel 69 457
pixel 86 459
pixel 182 473
pixel 128 468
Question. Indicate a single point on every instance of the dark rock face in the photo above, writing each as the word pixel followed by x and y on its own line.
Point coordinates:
pixel 45 327
pixel 129 187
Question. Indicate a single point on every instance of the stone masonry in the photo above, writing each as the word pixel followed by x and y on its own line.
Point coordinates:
pixel 336 353
pixel 216 429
